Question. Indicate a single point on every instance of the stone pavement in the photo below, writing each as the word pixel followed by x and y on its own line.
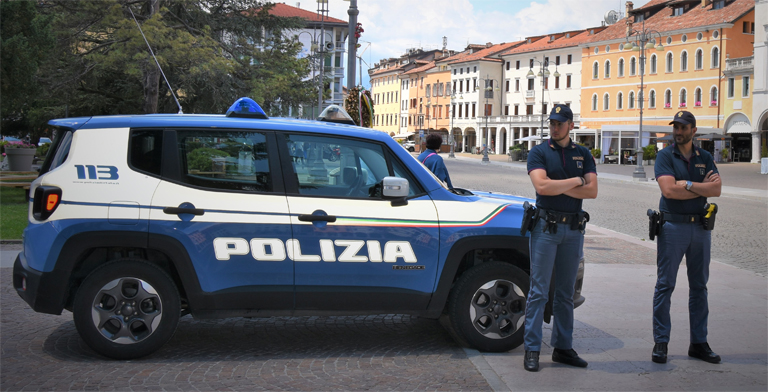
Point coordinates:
pixel 395 352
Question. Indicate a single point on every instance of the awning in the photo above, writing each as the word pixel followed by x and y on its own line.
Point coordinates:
pixel 403 135
pixel 740 127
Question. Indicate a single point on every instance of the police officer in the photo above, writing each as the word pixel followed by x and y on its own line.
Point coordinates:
pixel 563 174
pixel 687 175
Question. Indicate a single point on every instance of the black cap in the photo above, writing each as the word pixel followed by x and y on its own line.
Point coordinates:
pixel 685 118
pixel 561 113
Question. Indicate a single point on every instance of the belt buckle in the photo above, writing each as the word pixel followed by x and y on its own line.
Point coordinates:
pixel 692 218
pixel 564 219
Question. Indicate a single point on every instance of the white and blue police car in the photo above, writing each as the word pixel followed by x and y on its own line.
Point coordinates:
pixel 136 221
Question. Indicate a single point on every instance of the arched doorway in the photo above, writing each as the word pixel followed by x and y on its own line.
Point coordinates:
pixel 739 128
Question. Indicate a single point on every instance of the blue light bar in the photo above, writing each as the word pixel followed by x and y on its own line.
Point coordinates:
pixel 246 107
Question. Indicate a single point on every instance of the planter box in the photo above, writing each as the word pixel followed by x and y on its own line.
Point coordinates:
pixel 20 159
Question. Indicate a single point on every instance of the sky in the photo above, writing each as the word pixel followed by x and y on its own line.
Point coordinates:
pixel 393 26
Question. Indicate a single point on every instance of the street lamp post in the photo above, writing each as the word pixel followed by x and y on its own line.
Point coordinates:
pixel 643 39
pixel 453 141
pixel 544 75
pixel 489 89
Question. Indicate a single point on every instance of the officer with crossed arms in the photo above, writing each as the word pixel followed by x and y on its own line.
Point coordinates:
pixel 686 175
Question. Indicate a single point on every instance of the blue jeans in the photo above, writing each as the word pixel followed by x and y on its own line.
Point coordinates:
pixel 676 240
pixel 559 252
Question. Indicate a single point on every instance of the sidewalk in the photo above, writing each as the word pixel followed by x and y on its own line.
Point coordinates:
pixel 743 179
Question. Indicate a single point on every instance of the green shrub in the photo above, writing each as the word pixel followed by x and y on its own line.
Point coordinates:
pixel 595 153
pixel 649 151
pixel 517 146
pixel 42 151
pixel 724 153
pixel 202 158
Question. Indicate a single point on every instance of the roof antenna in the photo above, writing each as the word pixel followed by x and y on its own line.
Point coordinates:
pixel 156 62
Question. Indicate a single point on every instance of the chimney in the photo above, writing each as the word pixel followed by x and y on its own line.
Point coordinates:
pixel 705 3
pixel 630 18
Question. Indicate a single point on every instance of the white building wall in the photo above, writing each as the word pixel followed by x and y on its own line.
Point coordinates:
pixel 760 89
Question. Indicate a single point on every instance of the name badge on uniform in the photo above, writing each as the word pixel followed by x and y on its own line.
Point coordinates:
pixel 579 164
pixel 702 167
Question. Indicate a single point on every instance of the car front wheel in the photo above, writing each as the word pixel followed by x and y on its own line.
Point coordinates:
pixel 487 306
pixel 127 309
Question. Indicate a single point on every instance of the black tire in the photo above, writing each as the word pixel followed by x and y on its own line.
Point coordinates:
pixel 484 324
pixel 144 322
pixel 411 149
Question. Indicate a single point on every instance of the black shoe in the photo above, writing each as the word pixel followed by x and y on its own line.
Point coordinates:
pixel 703 352
pixel 568 357
pixel 659 353
pixel 531 361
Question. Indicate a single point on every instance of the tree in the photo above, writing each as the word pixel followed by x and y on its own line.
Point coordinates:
pixel 211 51
pixel 26 39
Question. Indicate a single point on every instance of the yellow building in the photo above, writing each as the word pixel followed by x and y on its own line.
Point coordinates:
pixel 385 91
pixel 689 42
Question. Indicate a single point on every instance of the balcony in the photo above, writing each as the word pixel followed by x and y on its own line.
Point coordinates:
pixel 338 72
pixel 530 95
pixel 739 64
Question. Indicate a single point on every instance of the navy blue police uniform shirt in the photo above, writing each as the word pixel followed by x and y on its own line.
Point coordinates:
pixel 670 162
pixel 561 163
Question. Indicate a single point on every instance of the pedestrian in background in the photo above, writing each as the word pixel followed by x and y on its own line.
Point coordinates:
pixel 434 162
pixel 686 175
pixel 563 174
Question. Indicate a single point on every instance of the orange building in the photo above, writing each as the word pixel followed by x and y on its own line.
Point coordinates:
pixel 684 61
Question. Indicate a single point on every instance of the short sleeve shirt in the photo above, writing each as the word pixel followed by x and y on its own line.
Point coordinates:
pixel 561 163
pixel 435 163
pixel 670 162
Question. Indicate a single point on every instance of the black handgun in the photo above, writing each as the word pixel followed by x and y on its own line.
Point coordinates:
pixel 580 223
pixel 530 214
pixel 708 220
pixel 654 223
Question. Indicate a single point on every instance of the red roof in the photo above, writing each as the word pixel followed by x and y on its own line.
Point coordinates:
pixel 423 68
pixel 562 40
pixel 663 21
pixel 385 70
pixel 288 11
pixel 488 51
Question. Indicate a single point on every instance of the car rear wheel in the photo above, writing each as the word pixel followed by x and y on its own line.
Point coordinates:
pixel 127 309
pixel 487 306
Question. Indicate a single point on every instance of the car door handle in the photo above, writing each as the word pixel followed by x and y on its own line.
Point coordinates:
pixel 181 210
pixel 317 218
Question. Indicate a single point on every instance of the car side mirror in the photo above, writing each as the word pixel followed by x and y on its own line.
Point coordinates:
pixel 394 187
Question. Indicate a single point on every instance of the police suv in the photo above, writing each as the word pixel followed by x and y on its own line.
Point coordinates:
pixel 136 221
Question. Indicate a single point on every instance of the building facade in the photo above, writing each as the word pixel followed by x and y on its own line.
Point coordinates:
pixel 529 96
pixel 690 41
pixel 323 41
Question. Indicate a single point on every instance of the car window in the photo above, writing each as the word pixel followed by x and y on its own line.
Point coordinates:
pixel 234 160
pixel 399 171
pixel 146 150
pixel 58 153
pixel 337 167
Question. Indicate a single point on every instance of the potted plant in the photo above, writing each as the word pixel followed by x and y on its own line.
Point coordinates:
pixel 20 155
pixel 649 153
pixel 514 152
pixel 713 103
pixel 724 154
pixel 596 154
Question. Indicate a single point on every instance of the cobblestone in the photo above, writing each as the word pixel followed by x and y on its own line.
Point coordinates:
pixel 382 352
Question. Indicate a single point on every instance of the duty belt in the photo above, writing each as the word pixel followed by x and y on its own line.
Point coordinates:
pixel 559 217
pixel 680 218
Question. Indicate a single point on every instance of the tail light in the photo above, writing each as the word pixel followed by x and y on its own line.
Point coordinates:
pixel 45 201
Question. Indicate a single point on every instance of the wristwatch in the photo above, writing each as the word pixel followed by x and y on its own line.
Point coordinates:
pixel 688 185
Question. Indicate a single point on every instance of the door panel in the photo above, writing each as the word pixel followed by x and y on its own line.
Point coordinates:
pixel 367 255
pixel 225 213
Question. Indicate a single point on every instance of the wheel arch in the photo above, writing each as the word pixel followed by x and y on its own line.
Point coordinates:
pixel 471 251
pixel 84 252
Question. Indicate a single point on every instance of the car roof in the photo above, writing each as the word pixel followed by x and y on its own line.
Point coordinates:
pixel 217 122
